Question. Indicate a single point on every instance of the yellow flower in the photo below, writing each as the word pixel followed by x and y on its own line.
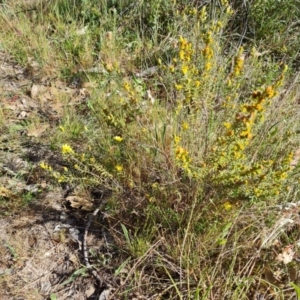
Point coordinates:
pixel 239 62
pixel 283 176
pixel 227 125
pixel 219 25
pixel 45 166
pixel 246 134
pixel 127 86
pixel 118 139
pixel 182 155
pixel 237 155
pixel 229 10
pixel 208 38
pixel 227 205
pixel 178 87
pixel 152 199
pixel 259 107
pixel 240 146
pixel 66 149
pixel 208 66
pixel 185 126
pixel 61 179
pixel 177 139
pixel 181 54
pixel 269 91
pixel 203 14
pixel 237 72
pixel 207 52
pixel 183 42
pixel 257 192
pixel 184 69
pixel 119 168
pixel 172 68
pixel 194 11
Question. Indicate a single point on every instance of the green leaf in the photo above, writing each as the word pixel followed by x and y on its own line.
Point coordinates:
pixel 126 234
pixel 12 250
pixel 296 288
pixel 76 274
pixel 117 272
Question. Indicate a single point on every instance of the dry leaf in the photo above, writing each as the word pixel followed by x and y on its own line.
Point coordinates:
pixel 57 107
pixel 37 89
pixel 295 159
pixel 37 131
pixel 286 256
pixel 293 274
pixel 74 259
pixel 276 243
pixel 90 291
pixel 4 192
pixel 74 233
pixel 270 276
pixel 105 294
pixel 89 84
pixel 22 115
pixel 46 96
pixel 150 97
pixel 24 103
pixel 82 31
pixel 79 202
pixel 256 53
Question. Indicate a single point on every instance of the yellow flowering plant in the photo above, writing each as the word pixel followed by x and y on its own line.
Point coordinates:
pixel 83 169
pixel 225 160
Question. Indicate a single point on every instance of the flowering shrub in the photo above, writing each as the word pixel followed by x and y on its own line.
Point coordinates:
pixel 223 159
pixel 83 170
pixel 204 134
pixel 192 128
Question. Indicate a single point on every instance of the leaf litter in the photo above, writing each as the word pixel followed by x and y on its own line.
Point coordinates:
pixel 39 247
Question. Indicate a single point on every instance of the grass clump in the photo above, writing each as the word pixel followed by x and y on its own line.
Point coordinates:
pixel 196 153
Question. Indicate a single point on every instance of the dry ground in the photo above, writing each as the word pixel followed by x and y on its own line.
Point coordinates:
pixel 40 242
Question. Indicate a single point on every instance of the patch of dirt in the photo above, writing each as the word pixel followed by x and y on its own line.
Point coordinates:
pixel 40 251
pixel 41 243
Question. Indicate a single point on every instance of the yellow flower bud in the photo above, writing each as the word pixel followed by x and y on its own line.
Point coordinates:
pixel 118 139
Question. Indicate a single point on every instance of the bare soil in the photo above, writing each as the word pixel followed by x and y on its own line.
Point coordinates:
pixel 41 235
